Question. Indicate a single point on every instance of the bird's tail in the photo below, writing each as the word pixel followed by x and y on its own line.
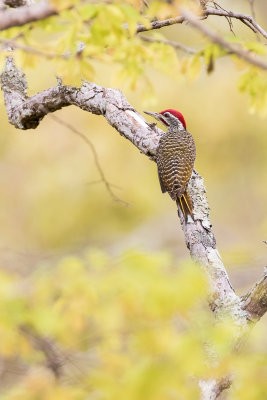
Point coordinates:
pixel 185 204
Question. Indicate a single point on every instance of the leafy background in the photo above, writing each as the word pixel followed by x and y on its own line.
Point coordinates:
pixel 113 285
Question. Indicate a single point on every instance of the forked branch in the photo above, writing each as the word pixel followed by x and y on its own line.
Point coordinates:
pixel 255 301
pixel 245 18
pixel 218 39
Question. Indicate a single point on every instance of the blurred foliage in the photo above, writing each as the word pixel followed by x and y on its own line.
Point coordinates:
pixel 49 200
pixel 85 33
pixel 127 322
pixel 140 320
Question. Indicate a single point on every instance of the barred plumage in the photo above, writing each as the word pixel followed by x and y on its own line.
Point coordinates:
pixel 175 159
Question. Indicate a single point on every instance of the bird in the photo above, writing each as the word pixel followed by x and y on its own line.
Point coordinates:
pixel 175 157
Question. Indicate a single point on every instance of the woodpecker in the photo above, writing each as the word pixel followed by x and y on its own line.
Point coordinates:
pixel 175 158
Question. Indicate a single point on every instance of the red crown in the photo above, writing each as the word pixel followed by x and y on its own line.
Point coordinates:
pixel 177 114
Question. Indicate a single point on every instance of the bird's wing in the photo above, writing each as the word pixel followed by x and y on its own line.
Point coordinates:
pixel 162 186
pixel 182 174
pixel 175 171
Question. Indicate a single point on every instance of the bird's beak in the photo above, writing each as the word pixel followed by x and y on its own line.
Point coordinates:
pixel 154 114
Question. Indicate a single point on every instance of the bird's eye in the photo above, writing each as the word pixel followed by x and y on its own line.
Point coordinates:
pixel 166 114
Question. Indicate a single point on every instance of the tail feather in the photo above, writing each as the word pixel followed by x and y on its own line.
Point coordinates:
pixel 185 203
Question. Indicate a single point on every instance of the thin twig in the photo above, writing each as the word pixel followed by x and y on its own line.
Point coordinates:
pixel 240 16
pixel 43 9
pixel 252 8
pixel 218 7
pixel 107 184
pixel 250 26
pixel 51 351
pixel 253 13
pixel 56 359
pixel 100 181
pixel 9 43
pixel 250 22
pixel 176 45
pixel 230 23
pixel 231 27
pixel 216 38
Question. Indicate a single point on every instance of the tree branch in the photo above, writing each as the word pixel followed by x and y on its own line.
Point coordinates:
pixel 176 45
pixel 255 301
pixel 216 38
pixel 26 113
pixel 25 14
pixel 240 16
pixel 8 44
pixel 247 19
pixel 29 13
pixel 160 24
pixel 54 358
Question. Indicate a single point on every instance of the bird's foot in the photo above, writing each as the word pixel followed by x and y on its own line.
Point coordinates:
pixel 152 124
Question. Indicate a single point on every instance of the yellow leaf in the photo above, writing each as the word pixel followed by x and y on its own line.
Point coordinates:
pixel 194 68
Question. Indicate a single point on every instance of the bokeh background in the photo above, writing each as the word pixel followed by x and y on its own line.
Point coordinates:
pixel 50 205
pixel 53 207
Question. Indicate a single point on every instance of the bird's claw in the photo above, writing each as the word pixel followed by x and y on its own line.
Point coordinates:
pixel 152 124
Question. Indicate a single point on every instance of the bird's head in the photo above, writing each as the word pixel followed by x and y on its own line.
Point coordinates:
pixel 170 117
